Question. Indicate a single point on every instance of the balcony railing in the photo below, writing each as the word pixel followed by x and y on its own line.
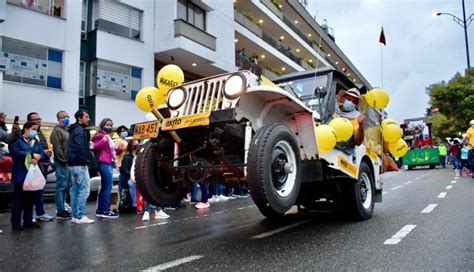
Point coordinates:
pixel 280 47
pixel 245 64
pixel 247 23
pixel 183 28
pixel 272 7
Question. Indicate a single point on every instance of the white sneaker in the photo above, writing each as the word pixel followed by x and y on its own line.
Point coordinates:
pixel 84 220
pixel 146 216
pixel 214 199
pixel 73 220
pixel 161 215
pixel 223 198
pixel 67 207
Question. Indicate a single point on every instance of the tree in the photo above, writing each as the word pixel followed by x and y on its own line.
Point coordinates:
pixel 454 101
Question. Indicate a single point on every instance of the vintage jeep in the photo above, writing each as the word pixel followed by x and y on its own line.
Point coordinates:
pixel 239 129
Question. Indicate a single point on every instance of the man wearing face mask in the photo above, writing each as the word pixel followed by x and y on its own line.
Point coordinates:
pixel 121 145
pixel 470 143
pixel 59 138
pixel 346 107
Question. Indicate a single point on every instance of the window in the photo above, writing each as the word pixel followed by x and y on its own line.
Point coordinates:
pixel 117 18
pixel 192 14
pixel 84 19
pixel 51 7
pixel 31 64
pixel 116 80
pixel 82 82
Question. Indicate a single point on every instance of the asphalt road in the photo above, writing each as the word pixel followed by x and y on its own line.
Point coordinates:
pixel 415 228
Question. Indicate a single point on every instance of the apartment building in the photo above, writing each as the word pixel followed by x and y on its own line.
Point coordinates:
pixel 97 54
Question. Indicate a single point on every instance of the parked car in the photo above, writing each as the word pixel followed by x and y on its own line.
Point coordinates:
pixel 6 187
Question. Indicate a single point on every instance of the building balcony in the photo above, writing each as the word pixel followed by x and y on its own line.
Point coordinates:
pixel 183 28
pixel 273 8
pixel 245 64
pixel 247 23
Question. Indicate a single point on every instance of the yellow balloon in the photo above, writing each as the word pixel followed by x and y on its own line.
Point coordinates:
pixel 377 98
pixel 343 128
pixel 388 122
pixel 391 133
pixel 325 138
pixel 168 77
pixel 147 98
pixel 398 148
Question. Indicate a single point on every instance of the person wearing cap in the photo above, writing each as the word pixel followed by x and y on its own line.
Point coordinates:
pixel 346 106
pixel 470 143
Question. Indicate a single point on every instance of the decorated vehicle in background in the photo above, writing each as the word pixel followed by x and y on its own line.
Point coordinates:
pixel 417 133
pixel 240 129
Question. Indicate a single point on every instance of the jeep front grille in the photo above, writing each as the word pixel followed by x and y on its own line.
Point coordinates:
pixel 204 96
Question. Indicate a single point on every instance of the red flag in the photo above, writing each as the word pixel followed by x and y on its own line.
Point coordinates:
pixel 382 37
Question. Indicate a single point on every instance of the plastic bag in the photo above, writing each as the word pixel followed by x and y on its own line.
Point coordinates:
pixel 34 180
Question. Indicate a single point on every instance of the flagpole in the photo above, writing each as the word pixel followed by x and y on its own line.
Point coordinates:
pixel 381 46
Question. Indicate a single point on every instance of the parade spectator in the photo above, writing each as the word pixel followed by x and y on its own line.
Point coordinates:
pixel 121 144
pixel 243 53
pixel 43 164
pixel 24 151
pixel 464 158
pixel 106 153
pixel 470 143
pixel 126 198
pixel 59 138
pixel 78 155
pixel 204 203
pixel 347 102
pixel 455 152
pixel 443 151
pixel 3 126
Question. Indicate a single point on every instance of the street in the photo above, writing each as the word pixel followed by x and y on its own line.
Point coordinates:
pixel 425 222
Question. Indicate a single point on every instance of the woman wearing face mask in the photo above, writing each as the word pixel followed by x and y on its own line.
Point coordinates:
pixel 106 153
pixel 121 145
pixel 346 106
pixel 25 146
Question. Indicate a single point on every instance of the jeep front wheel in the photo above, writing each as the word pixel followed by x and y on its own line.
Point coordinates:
pixel 360 195
pixel 273 171
pixel 153 181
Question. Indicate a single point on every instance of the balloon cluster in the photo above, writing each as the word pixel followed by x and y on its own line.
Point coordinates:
pixel 168 77
pixel 340 129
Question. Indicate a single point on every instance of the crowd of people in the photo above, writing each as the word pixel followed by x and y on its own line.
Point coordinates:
pixel 74 158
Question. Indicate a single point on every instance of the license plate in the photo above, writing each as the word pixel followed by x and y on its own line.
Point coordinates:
pixel 146 130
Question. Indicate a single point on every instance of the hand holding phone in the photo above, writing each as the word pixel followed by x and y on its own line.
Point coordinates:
pixel 16 125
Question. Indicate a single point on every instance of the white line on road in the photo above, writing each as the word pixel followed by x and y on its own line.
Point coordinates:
pixel 275 231
pixel 418 178
pixel 408 182
pixel 384 193
pixel 152 225
pixel 399 235
pixel 449 187
pixel 453 182
pixel 442 195
pixel 429 208
pixel 174 263
pixel 397 187
pixel 456 177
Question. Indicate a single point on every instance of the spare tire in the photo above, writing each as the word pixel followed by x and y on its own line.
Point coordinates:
pixel 153 181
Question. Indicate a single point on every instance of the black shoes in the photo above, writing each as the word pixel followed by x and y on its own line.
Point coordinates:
pixel 32 225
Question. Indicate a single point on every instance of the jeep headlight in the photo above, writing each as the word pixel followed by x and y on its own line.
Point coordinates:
pixel 235 86
pixel 176 98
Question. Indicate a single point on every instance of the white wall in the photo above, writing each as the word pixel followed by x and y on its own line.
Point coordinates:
pixel 122 112
pixel 219 23
pixel 52 32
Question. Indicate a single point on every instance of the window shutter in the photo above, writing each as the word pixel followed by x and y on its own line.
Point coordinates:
pixel 115 12
pixel 135 19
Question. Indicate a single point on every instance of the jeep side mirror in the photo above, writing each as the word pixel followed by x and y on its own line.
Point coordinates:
pixel 320 92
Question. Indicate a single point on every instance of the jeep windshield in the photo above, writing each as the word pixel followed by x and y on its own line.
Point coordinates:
pixel 310 89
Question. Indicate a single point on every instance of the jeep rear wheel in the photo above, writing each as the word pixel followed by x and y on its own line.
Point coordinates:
pixel 273 172
pixel 360 195
pixel 153 181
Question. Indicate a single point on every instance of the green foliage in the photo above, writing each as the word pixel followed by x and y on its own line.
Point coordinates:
pixel 455 102
pixel 311 64
pixel 250 17
pixel 277 72
pixel 276 4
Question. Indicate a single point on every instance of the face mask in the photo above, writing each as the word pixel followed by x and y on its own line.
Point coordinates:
pixel 65 122
pixel 348 105
pixel 32 134
pixel 123 134
pixel 107 129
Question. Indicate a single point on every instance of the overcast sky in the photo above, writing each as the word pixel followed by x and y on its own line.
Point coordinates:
pixel 421 49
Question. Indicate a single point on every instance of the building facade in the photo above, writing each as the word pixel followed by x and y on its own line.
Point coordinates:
pixel 97 54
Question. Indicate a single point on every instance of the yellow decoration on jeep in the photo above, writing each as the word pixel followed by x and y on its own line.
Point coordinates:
pixel 347 166
pixel 391 133
pixel 343 128
pixel 201 119
pixel 377 98
pixel 147 98
pixel 170 76
pixel 399 148
pixel 325 138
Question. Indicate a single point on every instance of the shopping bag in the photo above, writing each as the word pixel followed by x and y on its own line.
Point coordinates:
pixel 34 180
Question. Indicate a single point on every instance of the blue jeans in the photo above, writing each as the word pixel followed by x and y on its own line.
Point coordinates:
pixel 63 183
pixel 106 179
pixel 204 188
pixel 456 163
pixel 148 207
pixel 132 187
pixel 80 189
pixel 38 202
pixel 470 160
pixel 442 160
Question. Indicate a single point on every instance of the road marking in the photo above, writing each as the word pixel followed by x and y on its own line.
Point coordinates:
pixel 384 193
pixel 174 263
pixel 152 225
pixel 456 177
pixel 418 178
pixel 397 187
pixel 408 182
pixel 275 231
pixel 429 208
pixel 442 195
pixel 397 238
pixel 453 182
pixel 449 187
